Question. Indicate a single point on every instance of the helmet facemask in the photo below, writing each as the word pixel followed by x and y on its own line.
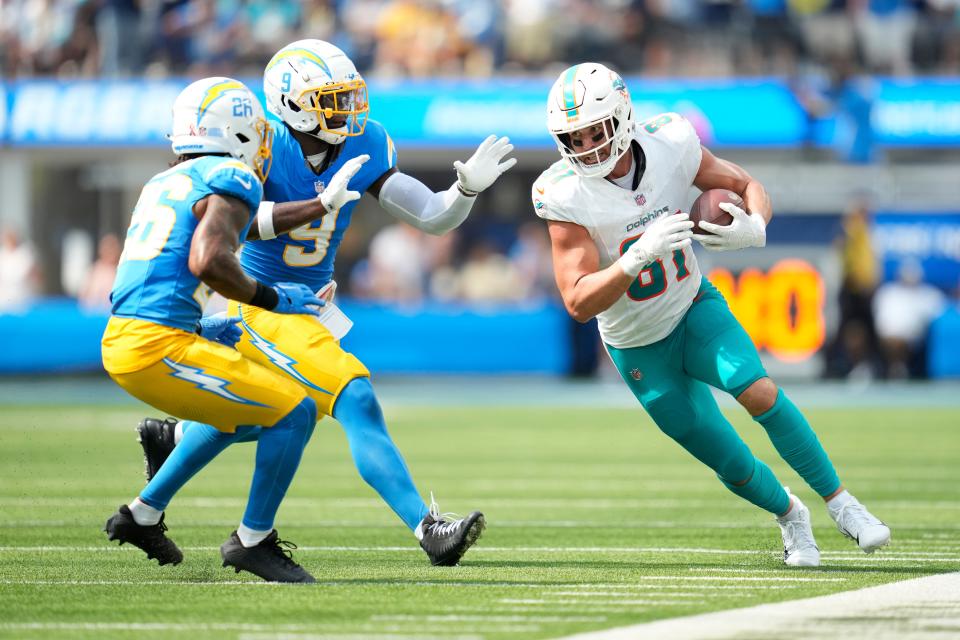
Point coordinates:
pixel 341 109
pixel 607 143
pixel 262 159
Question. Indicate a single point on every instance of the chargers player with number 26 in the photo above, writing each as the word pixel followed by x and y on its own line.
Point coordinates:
pixel 181 243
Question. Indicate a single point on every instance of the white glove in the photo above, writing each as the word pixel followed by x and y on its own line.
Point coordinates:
pixel 484 166
pixel 746 230
pixel 667 234
pixel 336 194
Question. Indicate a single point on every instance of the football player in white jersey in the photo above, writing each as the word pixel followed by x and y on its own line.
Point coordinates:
pixel 621 252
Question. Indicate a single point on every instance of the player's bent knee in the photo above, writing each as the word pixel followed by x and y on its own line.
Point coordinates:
pixel 759 397
pixel 357 397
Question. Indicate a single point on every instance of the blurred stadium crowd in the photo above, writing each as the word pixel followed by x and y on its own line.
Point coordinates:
pixel 479 38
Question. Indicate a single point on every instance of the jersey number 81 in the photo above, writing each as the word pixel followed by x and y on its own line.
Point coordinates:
pixel 652 279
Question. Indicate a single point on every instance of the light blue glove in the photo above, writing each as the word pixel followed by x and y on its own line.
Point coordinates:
pixel 296 298
pixel 220 328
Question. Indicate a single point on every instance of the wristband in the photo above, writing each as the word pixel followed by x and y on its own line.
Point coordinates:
pixel 265 220
pixel 630 263
pixel 466 192
pixel 265 297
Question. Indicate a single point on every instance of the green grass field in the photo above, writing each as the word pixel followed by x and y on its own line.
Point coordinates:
pixel 595 520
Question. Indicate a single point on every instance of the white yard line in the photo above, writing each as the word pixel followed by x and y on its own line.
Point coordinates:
pixel 923 608
pixel 612 601
pixel 298 632
pixel 831 556
pixel 485 618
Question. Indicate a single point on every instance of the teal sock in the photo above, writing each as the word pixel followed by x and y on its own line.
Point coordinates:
pixel 762 489
pixel 798 445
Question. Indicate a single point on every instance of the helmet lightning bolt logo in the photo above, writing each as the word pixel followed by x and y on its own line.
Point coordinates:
pixel 214 93
pixel 278 358
pixel 304 54
pixel 207 382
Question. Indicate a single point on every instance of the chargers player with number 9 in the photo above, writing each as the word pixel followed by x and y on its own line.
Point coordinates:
pixel 327 153
pixel 621 252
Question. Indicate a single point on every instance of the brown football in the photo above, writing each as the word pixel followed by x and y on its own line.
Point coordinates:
pixel 707 208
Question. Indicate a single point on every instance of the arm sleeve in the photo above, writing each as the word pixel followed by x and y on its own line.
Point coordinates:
pixel 409 200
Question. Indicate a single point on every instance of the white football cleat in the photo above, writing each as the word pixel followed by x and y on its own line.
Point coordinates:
pixel 799 547
pixel 854 521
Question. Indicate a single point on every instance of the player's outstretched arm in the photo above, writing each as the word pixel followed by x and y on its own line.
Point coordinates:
pixel 749 226
pixel 411 201
pixel 214 261
pixel 276 218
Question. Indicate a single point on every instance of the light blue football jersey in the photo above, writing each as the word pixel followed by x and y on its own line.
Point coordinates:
pixel 153 281
pixel 306 254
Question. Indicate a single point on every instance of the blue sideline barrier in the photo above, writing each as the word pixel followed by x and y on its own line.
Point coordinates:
pixel 943 356
pixel 739 112
pixel 55 336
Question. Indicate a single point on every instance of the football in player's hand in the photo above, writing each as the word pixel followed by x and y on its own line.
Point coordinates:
pixel 706 208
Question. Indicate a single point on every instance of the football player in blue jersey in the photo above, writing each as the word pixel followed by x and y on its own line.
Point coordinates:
pixel 327 153
pixel 181 243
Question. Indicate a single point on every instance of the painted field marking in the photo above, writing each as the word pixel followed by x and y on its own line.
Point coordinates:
pixel 832 556
pixel 623 594
pixel 926 607
pixel 486 618
pixel 539 601
pixel 250 630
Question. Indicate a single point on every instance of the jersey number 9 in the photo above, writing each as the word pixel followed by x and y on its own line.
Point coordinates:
pixel 296 255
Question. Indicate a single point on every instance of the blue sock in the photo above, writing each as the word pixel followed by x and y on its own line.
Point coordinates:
pixel 279 450
pixel 201 443
pixel 798 445
pixel 762 489
pixel 376 457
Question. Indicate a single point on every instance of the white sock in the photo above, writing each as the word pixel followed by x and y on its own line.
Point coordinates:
pixel 792 513
pixel 178 432
pixel 143 514
pixel 250 537
pixel 837 501
pixel 418 530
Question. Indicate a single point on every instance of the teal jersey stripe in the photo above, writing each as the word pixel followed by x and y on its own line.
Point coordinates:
pixel 569 97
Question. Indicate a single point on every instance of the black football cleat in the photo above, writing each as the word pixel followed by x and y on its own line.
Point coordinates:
pixel 271 560
pixel 445 541
pixel 157 439
pixel 149 538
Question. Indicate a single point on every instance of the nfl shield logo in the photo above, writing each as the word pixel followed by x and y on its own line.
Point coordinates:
pixel 641 200
pixel 318 186
pixel 636 374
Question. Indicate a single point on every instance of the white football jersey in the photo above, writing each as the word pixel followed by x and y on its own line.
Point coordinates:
pixel 615 217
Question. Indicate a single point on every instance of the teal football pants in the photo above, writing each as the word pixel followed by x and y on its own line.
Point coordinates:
pixel 670 378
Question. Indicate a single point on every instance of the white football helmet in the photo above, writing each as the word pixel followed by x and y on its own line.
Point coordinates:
pixel 221 115
pixel 583 96
pixel 315 88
